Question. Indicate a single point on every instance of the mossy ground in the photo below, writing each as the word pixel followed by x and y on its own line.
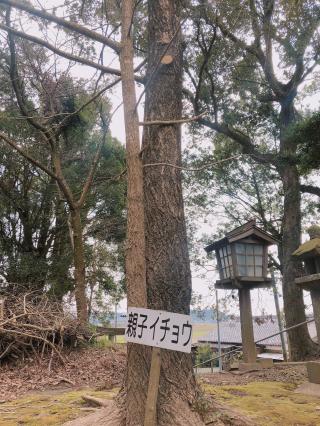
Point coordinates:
pixel 269 403
pixel 48 409
pixel 266 403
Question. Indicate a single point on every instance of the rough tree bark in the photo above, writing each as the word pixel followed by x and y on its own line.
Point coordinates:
pixel 168 267
pixel 301 344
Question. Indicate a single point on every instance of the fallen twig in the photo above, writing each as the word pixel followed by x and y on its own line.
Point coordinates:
pixel 96 402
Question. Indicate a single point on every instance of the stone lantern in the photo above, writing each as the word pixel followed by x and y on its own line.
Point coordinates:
pixel 309 253
pixel 242 257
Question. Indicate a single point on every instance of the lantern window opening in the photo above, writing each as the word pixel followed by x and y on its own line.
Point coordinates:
pixel 226 262
pixel 249 259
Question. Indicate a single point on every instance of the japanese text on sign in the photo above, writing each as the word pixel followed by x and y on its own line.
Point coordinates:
pixel 159 328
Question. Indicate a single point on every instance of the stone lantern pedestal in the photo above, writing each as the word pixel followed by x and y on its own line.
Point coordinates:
pixel 309 254
pixel 312 387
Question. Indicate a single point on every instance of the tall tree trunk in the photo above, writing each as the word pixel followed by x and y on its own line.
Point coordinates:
pixel 300 342
pixel 79 266
pixel 168 266
pixel 138 358
pixel 61 253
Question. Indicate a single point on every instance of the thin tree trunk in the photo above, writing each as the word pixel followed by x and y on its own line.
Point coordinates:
pixel 79 266
pixel 61 249
pixel 135 245
pixel 300 342
pixel 92 283
pixel 138 358
pixel 168 266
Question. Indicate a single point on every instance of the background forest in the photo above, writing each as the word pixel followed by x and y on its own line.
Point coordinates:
pixel 250 71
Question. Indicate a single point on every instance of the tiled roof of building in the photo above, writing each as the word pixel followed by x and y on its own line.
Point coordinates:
pixel 230 332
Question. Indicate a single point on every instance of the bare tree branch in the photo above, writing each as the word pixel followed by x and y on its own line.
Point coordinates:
pixel 264 58
pixel 247 145
pixel 73 26
pixel 92 99
pixel 206 53
pixel 255 23
pixel 169 122
pixel 241 138
pixel 75 58
pixel 18 87
pixel 32 160
pixel 198 169
pixel 310 189
pixel 60 52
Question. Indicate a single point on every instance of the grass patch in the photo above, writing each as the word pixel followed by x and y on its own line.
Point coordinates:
pixel 104 342
pixel 269 403
pixel 46 409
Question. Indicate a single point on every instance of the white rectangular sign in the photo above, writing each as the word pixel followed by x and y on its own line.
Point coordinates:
pixel 163 329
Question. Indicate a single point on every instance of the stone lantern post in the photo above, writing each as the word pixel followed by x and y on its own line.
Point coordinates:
pixel 242 257
pixel 309 253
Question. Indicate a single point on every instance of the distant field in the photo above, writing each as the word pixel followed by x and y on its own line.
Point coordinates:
pixel 200 330
pixel 103 341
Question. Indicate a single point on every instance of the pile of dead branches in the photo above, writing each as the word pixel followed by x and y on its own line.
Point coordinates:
pixel 33 324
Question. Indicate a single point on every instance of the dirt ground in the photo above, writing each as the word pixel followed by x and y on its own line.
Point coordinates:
pixel 101 368
pixel 294 374
pixel 34 395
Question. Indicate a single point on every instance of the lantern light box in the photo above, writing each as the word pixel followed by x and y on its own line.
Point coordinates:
pixel 242 257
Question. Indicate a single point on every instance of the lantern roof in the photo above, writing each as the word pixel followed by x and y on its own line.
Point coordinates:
pixel 244 231
pixel 310 248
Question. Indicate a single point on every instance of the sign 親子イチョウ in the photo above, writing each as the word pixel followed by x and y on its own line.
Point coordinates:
pixel 162 329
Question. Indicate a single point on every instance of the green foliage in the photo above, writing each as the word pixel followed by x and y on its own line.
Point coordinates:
pixel 235 191
pixel 108 197
pixel 34 216
pixel 307 137
pixel 204 353
pixel 314 231
pixel 105 278
pixel 26 207
pixel 228 80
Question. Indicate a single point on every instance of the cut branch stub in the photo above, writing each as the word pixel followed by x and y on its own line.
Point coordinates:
pixel 167 59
